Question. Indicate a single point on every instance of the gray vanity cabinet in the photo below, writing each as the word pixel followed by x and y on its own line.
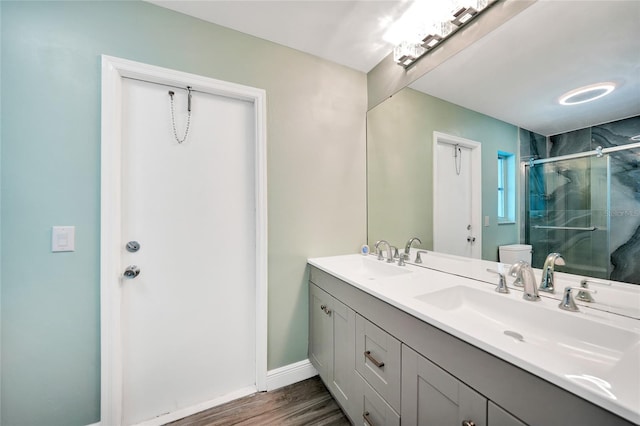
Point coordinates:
pixel 438 380
pixel 431 396
pixel 332 338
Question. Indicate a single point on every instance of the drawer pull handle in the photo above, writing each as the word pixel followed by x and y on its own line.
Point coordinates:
pixel 367 418
pixel 375 362
pixel 468 423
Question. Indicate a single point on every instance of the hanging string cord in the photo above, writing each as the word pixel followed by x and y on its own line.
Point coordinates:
pixel 457 158
pixel 173 118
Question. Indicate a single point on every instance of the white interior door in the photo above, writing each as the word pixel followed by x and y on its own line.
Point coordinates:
pixel 188 320
pixel 457 189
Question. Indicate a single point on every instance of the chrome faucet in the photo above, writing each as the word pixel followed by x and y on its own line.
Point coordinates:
pixel 407 247
pixel 524 274
pixel 567 303
pixel 552 260
pixel 389 254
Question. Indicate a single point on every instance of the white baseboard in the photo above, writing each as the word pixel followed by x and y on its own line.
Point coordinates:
pixel 188 411
pixel 276 378
pixel 290 374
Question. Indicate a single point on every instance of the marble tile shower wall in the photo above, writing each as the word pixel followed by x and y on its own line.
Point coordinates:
pixel 577 193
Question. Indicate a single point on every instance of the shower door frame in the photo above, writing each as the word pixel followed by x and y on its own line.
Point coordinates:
pixel 113 71
pixel 524 179
pixel 526 227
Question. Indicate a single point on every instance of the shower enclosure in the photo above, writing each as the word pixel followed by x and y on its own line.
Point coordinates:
pixel 586 206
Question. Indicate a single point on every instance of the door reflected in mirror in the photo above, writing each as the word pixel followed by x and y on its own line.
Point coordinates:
pixel 400 172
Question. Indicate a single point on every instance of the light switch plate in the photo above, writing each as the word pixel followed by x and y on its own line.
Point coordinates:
pixel 486 221
pixel 63 238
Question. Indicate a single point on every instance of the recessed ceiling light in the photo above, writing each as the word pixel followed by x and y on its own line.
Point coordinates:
pixel 585 94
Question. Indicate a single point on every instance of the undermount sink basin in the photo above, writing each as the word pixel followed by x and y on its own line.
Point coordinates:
pixel 368 268
pixel 546 332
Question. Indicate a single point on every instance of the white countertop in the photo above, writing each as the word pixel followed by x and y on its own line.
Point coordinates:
pixel 594 353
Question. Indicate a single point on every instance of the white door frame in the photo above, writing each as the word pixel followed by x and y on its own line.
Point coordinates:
pixel 113 71
pixel 476 188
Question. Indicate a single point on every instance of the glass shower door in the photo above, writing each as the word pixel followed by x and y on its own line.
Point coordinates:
pixel 568 213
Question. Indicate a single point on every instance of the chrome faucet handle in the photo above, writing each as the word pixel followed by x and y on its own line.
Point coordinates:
pixel 567 303
pixel 396 254
pixel 401 261
pixel 418 258
pixel 502 282
pixel 585 296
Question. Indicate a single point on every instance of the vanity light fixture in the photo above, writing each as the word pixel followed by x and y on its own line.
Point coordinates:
pixel 431 40
pixel 406 53
pixel 586 94
pixel 463 16
pixel 426 35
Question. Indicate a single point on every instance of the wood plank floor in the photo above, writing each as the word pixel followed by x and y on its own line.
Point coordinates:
pixel 304 403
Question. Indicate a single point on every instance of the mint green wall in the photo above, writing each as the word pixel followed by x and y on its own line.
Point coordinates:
pixel 50 175
pixel 400 167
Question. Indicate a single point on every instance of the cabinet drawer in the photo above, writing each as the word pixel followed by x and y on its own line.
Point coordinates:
pixel 378 360
pixel 373 409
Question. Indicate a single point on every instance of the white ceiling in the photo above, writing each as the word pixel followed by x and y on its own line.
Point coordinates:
pixel 342 31
pixel 515 73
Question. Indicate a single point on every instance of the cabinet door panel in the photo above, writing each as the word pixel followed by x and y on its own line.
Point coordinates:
pixel 472 406
pixel 496 416
pixel 320 332
pixel 378 360
pixel 432 397
pixel 434 408
pixel 342 374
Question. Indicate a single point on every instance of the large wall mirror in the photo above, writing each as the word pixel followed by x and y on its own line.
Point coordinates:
pixel 541 180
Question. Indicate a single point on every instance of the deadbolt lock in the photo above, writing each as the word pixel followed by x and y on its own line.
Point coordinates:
pixel 133 246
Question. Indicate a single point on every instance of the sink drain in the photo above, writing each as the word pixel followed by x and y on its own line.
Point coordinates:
pixel 515 335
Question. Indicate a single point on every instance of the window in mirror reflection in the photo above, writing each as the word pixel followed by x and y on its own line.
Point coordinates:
pixel 506 187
